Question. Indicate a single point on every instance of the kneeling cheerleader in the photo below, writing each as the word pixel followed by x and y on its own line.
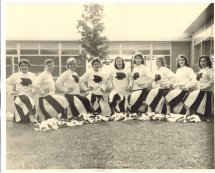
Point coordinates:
pixel 185 79
pixel 96 86
pixel 51 105
pixel 68 83
pixel 20 85
pixel 164 78
pixel 142 81
pixel 120 85
pixel 200 100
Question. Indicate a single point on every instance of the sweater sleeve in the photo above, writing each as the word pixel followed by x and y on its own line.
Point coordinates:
pixel 110 79
pixel 170 75
pixel 9 84
pixel 130 79
pixel 193 80
pixel 211 80
pixel 60 82
pixel 149 75
pixel 104 83
pixel 37 84
pixel 84 79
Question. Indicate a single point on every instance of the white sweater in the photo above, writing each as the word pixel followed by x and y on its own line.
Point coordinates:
pixel 206 79
pixel 141 75
pixel 44 83
pixel 186 77
pixel 120 80
pixel 94 79
pixel 67 80
pixel 167 77
pixel 24 83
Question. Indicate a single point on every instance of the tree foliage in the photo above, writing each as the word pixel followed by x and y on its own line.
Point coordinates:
pixel 91 27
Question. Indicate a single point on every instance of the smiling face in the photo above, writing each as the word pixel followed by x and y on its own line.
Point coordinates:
pixel 138 60
pixel 203 63
pixel 119 63
pixel 181 61
pixel 23 67
pixel 96 66
pixel 49 67
pixel 73 66
pixel 158 63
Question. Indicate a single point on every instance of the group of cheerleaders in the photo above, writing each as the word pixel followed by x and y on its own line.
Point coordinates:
pixel 133 92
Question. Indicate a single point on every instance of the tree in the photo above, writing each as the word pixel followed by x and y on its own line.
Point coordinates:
pixel 91 27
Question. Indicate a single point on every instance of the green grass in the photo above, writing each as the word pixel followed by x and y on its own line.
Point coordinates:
pixel 129 144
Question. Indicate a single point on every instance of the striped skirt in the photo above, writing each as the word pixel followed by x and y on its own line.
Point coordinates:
pixel 24 107
pixel 52 105
pixel 117 102
pixel 175 99
pixel 200 102
pixel 155 99
pixel 77 105
pixel 96 103
pixel 137 99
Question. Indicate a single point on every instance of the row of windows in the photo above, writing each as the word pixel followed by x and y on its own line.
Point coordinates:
pixel 37 64
pixel 76 52
pixel 75 45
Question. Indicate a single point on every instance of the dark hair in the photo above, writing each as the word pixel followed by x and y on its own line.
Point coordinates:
pixel 47 61
pixel 140 55
pixel 95 59
pixel 24 61
pixel 185 58
pixel 209 63
pixel 123 63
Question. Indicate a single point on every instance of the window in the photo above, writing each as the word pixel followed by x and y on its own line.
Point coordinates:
pixel 113 51
pixel 49 52
pixel 161 52
pixel 70 52
pixel 144 52
pixel 70 45
pixel 11 65
pixel 131 52
pixel 11 51
pixel 29 51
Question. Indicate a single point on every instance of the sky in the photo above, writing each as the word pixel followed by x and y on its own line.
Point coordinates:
pixel 123 21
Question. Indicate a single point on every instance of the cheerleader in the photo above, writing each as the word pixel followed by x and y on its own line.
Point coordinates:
pixel 20 86
pixel 164 78
pixel 68 83
pixel 50 104
pixel 96 86
pixel 185 79
pixel 119 83
pixel 142 81
pixel 199 101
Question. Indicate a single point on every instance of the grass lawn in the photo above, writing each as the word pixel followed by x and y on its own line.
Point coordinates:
pixel 129 144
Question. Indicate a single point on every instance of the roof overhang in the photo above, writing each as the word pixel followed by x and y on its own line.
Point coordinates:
pixel 203 18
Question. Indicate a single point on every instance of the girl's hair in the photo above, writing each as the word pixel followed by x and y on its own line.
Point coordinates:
pixel 209 63
pixel 185 58
pixel 162 60
pixel 140 55
pixel 47 61
pixel 24 61
pixel 95 59
pixel 69 61
pixel 123 63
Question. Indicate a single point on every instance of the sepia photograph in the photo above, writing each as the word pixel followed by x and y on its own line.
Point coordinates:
pixel 104 85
